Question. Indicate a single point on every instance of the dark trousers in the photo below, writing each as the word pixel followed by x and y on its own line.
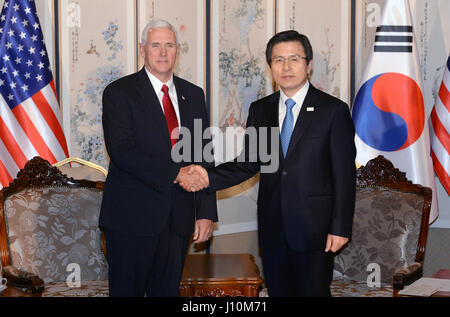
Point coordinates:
pixel 140 266
pixel 290 273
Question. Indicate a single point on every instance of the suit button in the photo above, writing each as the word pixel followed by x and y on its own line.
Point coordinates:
pixel 284 173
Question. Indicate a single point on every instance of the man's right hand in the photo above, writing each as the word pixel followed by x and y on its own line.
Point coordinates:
pixel 192 178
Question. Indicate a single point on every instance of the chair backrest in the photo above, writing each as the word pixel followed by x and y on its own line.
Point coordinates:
pixel 48 221
pixel 78 168
pixel 390 224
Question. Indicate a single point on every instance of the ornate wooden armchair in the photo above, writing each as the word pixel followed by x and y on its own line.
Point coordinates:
pixel 390 228
pixel 49 228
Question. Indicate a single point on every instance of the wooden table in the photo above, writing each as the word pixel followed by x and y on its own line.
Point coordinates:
pixel 220 275
pixel 441 274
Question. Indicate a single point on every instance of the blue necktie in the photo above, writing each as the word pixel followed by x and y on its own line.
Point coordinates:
pixel 288 126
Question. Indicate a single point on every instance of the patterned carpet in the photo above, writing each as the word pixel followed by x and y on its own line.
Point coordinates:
pixel 339 288
pixel 342 288
pixel 87 289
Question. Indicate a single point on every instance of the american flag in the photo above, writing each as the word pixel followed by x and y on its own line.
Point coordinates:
pixel 439 131
pixel 29 112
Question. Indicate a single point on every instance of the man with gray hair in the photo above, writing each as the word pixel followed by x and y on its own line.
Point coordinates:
pixel 147 218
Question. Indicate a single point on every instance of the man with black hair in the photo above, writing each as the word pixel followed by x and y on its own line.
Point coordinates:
pixel 305 208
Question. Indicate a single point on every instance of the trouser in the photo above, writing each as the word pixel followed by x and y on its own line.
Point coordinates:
pixel 145 265
pixel 301 274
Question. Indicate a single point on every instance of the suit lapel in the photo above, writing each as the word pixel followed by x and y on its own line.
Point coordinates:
pixel 273 111
pixel 273 114
pixel 182 102
pixel 304 119
pixel 151 107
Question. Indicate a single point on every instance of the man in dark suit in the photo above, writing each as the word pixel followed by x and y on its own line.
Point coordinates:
pixel 148 219
pixel 305 207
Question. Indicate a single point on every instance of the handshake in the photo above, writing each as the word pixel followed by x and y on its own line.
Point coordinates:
pixel 192 178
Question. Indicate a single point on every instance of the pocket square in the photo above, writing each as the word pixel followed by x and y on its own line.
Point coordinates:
pixel 309 108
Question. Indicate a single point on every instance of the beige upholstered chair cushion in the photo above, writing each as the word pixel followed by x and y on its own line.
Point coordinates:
pixel 50 228
pixel 386 228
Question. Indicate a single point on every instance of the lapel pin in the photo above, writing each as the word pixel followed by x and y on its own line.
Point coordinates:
pixel 182 97
pixel 309 108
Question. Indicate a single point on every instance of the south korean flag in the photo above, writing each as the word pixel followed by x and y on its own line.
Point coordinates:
pixel 389 109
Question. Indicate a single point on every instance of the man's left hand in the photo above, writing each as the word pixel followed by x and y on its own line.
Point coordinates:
pixel 203 230
pixel 335 243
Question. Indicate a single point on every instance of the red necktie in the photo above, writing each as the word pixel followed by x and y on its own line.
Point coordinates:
pixel 171 116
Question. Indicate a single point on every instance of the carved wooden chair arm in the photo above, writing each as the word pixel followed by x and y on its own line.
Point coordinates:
pixel 25 281
pixel 405 276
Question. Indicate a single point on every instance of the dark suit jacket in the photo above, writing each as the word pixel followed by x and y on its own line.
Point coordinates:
pixel 139 196
pixel 312 194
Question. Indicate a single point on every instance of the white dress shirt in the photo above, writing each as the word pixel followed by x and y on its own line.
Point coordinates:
pixel 299 97
pixel 157 85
